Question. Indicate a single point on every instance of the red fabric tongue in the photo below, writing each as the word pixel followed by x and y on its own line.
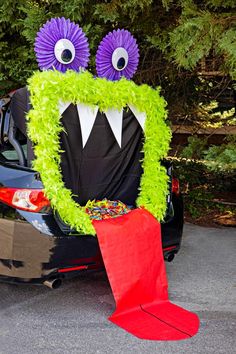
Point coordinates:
pixel 132 253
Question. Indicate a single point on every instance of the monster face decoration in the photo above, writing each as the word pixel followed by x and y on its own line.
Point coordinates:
pixel 131 244
pixel 62 50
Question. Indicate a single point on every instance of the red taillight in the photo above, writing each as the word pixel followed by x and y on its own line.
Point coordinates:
pixel 32 200
pixel 175 186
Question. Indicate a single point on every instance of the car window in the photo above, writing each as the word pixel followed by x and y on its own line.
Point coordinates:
pixel 9 154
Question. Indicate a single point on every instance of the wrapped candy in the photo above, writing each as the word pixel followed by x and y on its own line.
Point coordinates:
pixel 106 209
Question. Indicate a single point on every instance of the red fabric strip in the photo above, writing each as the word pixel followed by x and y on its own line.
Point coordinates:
pixel 132 253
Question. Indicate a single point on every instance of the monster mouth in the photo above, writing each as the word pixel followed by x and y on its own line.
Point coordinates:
pixel 87 116
pixel 52 92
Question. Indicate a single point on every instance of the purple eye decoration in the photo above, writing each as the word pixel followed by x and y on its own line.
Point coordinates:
pixel 117 55
pixel 61 44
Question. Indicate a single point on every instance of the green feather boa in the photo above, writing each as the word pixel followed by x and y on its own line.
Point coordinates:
pixel 44 126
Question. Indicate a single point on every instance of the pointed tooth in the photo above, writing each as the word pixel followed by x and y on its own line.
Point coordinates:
pixel 115 119
pixel 63 106
pixel 87 116
pixel 140 116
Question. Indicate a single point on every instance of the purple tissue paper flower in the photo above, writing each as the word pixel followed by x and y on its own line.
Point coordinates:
pixel 117 55
pixel 61 44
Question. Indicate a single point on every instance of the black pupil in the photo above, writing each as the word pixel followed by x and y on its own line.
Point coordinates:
pixel 66 55
pixel 121 63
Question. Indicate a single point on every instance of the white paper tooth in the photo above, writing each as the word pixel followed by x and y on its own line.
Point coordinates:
pixel 63 106
pixel 115 119
pixel 140 116
pixel 87 116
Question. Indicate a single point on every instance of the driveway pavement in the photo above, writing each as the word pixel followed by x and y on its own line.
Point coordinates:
pixel 72 319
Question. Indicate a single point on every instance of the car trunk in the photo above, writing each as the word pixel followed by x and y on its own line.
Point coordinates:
pixel 99 170
pixel 36 245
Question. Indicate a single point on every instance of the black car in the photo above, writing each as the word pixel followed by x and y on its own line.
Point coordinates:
pixel 35 244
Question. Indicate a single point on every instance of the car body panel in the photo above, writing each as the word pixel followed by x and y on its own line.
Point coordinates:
pixel 27 252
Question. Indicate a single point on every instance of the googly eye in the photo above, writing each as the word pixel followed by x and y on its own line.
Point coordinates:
pixel 61 44
pixel 64 51
pixel 120 58
pixel 117 55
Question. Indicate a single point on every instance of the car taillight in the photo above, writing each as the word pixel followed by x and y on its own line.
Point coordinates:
pixel 32 200
pixel 175 186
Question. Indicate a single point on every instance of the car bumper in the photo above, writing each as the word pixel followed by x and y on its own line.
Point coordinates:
pixel 34 249
pixel 26 254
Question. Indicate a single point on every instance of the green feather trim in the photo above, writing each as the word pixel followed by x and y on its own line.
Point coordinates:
pixel 44 126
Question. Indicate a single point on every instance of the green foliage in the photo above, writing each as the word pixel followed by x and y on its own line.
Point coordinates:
pixel 204 27
pixel 221 3
pixel 211 115
pixel 195 148
pixel 173 36
pixel 166 4
pixel 222 157
pixel 227 45
pixel 216 157
pixel 198 201
pixel 193 39
pixel 183 30
pixel 48 88
pixel 200 186
pixel 193 173
pixel 117 10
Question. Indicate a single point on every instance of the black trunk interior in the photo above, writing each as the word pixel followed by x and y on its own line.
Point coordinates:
pixel 101 169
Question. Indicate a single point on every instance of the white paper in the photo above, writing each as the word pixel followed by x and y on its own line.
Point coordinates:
pixel 140 116
pixel 115 119
pixel 63 106
pixel 87 116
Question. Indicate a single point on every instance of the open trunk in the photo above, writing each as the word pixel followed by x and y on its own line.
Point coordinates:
pixel 99 170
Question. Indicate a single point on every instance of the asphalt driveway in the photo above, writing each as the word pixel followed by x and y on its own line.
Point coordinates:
pixel 72 319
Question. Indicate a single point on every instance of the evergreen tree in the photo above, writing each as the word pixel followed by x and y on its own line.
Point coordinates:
pixel 173 37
